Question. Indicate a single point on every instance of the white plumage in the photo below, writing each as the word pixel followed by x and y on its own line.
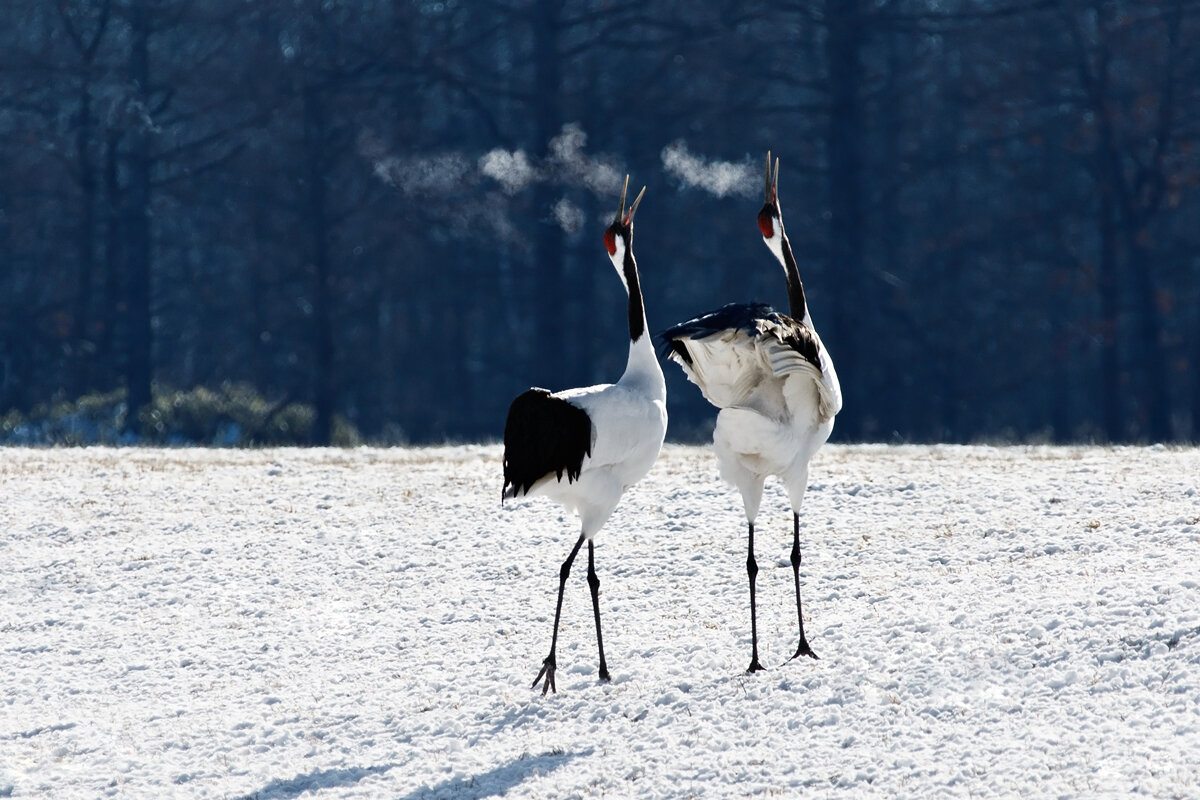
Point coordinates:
pixel 582 448
pixel 777 389
pixel 628 427
pixel 735 367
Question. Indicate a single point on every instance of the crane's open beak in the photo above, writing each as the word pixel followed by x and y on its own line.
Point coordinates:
pixel 767 183
pixel 622 217
pixel 771 183
pixel 633 208
pixel 621 205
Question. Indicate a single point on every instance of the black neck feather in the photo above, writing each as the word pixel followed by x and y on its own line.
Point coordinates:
pixel 798 307
pixel 637 311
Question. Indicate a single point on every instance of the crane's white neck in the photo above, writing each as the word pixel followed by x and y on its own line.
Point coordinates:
pixel 642 370
pixel 618 259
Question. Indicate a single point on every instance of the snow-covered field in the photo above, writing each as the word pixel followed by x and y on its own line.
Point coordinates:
pixel 992 622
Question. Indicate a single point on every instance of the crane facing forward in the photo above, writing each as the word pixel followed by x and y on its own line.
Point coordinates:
pixel 777 390
pixel 582 448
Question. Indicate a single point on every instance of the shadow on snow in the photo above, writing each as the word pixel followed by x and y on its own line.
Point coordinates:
pixel 495 782
pixel 285 789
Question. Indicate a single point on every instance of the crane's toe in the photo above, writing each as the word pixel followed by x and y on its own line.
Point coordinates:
pixel 547 671
pixel 804 650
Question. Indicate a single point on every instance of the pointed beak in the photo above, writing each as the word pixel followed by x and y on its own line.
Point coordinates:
pixel 775 181
pixel 633 208
pixel 767 183
pixel 621 206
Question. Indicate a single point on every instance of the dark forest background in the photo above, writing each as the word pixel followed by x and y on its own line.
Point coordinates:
pixel 389 214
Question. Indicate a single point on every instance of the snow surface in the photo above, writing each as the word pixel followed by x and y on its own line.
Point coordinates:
pixel 992 622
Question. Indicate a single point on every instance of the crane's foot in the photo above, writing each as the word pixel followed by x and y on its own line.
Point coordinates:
pixel 548 672
pixel 604 676
pixel 754 666
pixel 804 650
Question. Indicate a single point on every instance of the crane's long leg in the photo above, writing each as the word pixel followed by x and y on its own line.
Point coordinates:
pixel 803 649
pixel 752 573
pixel 594 584
pixel 548 665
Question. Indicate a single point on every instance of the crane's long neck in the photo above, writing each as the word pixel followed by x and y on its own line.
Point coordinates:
pixel 797 304
pixel 637 310
pixel 642 369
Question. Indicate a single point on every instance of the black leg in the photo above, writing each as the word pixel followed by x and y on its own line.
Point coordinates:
pixel 594 583
pixel 548 665
pixel 752 572
pixel 803 649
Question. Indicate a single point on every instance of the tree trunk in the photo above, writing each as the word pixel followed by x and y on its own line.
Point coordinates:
pixel 1061 351
pixel 139 369
pixel 110 320
pixel 845 154
pixel 549 263
pixel 1155 396
pixel 1108 177
pixel 82 348
pixel 1195 356
pixel 1110 366
pixel 81 327
pixel 317 224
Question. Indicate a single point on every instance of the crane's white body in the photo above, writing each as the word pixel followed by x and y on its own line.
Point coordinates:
pixel 629 423
pixel 777 409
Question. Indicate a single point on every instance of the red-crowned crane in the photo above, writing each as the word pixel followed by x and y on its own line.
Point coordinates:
pixel 777 390
pixel 582 448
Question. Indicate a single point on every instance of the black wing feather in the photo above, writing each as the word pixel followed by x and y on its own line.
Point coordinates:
pixel 741 316
pixel 801 338
pixel 744 316
pixel 543 434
